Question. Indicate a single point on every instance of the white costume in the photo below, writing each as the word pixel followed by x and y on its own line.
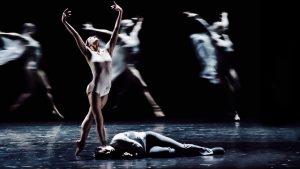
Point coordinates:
pixel 35 55
pixel 12 50
pixel 207 55
pixel 101 60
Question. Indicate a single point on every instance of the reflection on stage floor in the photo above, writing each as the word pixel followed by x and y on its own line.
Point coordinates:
pixel 247 145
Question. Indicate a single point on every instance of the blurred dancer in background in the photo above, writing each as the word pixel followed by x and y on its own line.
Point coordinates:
pixel 24 45
pixel 214 50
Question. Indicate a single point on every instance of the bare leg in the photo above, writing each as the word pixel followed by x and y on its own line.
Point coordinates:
pixel 162 144
pixel 158 151
pixel 97 103
pixel 45 82
pixel 54 109
pixel 85 129
pixel 86 126
pixel 20 101
pixel 157 110
pixel 232 85
pixel 30 89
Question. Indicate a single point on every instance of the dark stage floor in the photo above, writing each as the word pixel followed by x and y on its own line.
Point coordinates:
pixel 247 145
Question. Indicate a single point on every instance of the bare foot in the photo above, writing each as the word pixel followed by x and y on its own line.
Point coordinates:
pixel 158 112
pixel 79 147
pixel 56 112
pixel 237 117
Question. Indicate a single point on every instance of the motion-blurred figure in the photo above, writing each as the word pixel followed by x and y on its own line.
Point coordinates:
pixel 23 45
pixel 214 50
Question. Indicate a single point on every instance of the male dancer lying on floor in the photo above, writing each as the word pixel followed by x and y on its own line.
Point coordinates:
pixel 133 144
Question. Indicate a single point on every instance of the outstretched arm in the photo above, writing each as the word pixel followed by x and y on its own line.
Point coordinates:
pixel 223 23
pixel 203 22
pixel 224 19
pixel 132 40
pixel 137 27
pixel 199 19
pixel 90 27
pixel 114 37
pixel 13 35
pixel 80 43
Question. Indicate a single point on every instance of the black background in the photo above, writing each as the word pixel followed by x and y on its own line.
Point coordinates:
pixel 262 37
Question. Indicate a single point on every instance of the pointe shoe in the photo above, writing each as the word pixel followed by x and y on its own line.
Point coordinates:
pixel 218 151
pixel 79 147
